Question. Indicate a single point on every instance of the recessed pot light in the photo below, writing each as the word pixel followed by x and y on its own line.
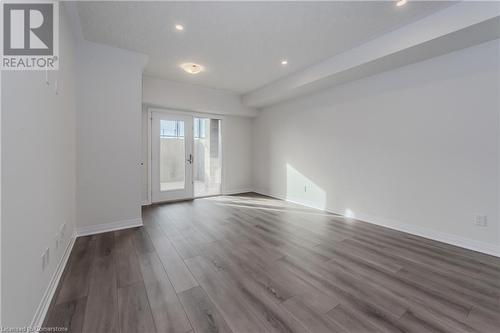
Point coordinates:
pixel 192 68
pixel 401 3
pixel 284 62
pixel 179 27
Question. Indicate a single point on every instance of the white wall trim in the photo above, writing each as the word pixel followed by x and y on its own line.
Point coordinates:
pixel 439 236
pixel 111 226
pixel 43 307
pixel 237 191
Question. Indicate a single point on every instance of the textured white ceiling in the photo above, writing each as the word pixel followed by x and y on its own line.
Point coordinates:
pixel 241 43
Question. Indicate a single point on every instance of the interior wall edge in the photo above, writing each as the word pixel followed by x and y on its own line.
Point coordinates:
pixel 109 95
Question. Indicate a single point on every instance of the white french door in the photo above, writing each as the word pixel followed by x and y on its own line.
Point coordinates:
pixel 172 157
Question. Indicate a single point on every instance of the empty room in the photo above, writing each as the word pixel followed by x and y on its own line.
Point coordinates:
pixel 250 166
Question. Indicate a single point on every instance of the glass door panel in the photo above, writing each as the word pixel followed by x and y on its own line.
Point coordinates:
pixel 172 155
pixel 207 166
pixel 172 159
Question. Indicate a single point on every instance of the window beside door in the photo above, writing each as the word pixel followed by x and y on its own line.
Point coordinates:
pixel 207 168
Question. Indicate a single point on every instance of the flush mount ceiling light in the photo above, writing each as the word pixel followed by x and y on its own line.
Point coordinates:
pixel 192 68
pixel 401 3
pixel 284 62
pixel 179 27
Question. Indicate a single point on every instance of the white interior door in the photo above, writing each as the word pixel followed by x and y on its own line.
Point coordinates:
pixel 172 156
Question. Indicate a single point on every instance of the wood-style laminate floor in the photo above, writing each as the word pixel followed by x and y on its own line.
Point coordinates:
pixel 250 263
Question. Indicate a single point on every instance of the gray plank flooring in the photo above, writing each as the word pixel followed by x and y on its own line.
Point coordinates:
pixel 250 263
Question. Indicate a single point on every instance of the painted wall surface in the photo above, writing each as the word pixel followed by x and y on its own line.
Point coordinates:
pixel 175 95
pixel 108 135
pixel 415 148
pixel 38 179
pixel 237 154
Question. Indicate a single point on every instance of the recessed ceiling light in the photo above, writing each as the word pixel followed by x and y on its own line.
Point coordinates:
pixel 401 3
pixel 284 62
pixel 179 27
pixel 192 68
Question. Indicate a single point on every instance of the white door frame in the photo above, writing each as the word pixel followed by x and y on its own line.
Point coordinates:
pixel 150 110
pixel 186 192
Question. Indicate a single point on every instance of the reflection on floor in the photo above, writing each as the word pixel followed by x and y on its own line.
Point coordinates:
pixel 250 263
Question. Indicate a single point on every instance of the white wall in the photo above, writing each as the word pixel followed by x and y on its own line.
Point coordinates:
pixel 175 95
pixel 38 179
pixel 237 154
pixel 415 148
pixel 108 136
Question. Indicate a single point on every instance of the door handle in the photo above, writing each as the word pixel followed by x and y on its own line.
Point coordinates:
pixel 190 160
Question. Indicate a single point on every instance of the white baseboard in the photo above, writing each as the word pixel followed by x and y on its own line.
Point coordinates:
pixel 105 227
pixel 439 236
pixel 43 307
pixel 237 191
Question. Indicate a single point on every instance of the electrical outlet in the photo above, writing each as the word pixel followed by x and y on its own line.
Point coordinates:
pixel 481 220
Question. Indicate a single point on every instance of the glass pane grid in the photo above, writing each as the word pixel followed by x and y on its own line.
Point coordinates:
pixel 171 128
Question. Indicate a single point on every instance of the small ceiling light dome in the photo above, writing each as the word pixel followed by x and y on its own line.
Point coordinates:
pixel 192 68
pixel 179 27
pixel 284 62
pixel 401 3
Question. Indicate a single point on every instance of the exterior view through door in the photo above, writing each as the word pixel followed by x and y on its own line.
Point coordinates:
pixel 186 156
